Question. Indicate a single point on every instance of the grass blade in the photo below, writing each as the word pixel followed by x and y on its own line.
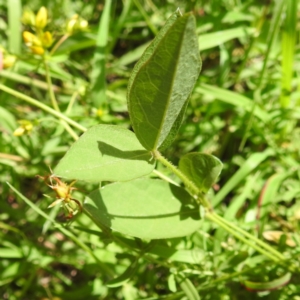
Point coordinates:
pixel 14 8
pixel 65 231
pixel 288 48
pixel 250 164
pixel 214 39
pixel 98 80
pixel 233 98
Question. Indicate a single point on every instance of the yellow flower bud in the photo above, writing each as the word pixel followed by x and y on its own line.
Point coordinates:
pixel 37 50
pixel 41 18
pixel 9 61
pixel 47 39
pixel 72 23
pixel 28 17
pixel 76 24
pixel 83 24
pixel 19 131
pixel 25 127
pixel 100 112
pixel 30 39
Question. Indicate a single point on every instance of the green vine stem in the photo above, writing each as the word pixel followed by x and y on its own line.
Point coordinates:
pixel 236 231
pixel 188 183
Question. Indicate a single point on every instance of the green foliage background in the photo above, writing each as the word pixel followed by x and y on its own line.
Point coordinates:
pixel 244 110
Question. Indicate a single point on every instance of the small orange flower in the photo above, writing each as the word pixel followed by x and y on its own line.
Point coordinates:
pixel 63 193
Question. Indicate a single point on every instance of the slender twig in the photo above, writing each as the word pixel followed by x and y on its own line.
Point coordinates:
pixel 60 41
pixel 254 238
pixel 42 106
pixel 54 101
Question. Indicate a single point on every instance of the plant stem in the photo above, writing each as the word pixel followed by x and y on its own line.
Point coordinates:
pixel 252 237
pixel 54 101
pixel 188 183
pixel 42 106
pixel 144 14
pixel 60 41
pixel 71 103
pixel 49 83
pixel 216 219
pixel 236 231
pixel 65 231
pixel 163 177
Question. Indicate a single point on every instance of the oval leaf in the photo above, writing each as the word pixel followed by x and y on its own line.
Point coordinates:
pixel 201 168
pixel 106 152
pixel 162 81
pixel 144 208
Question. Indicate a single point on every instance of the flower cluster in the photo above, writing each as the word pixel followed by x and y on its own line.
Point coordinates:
pixel 6 60
pixel 25 127
pixel 41 40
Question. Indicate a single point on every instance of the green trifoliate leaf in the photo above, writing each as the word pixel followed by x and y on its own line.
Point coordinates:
pixel 203 169
pixel 162 81
pixel 106 152
pixel 144 208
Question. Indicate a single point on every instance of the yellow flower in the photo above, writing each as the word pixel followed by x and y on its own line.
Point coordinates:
pixel 76 23
pixel 100 112
pixel 28 17
pixel 37 50
pixel 41 18
pixel 47 39
pixel 31 40
pixel 9 61
pixel 25 127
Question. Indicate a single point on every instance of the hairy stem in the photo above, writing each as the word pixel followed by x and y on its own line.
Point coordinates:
pixel 231 228
pixel 191 187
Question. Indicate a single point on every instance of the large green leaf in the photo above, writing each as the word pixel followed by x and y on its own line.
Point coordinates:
pixel 144 208
pixel 106 152
pixel 162 81
pixel 201 168
pixel 173 132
